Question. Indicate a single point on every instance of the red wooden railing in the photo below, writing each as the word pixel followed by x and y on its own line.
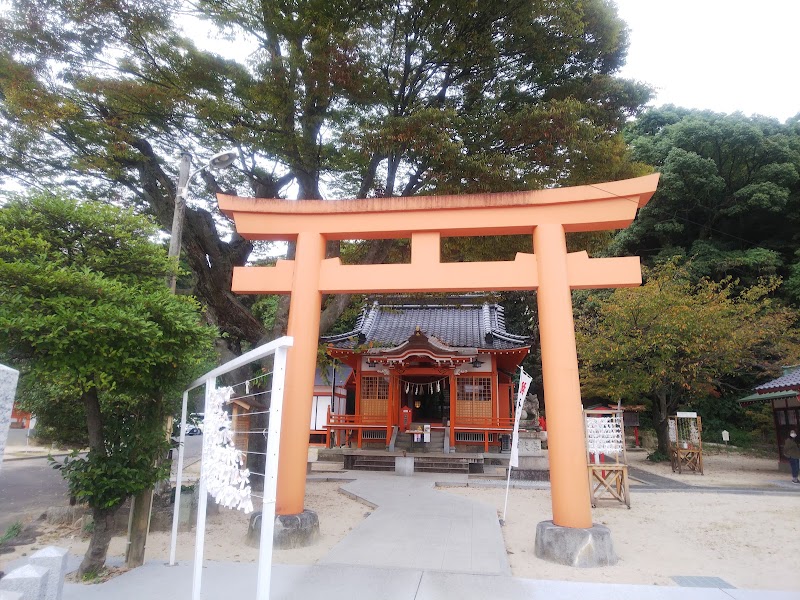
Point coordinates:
pixel 485 426
pixel 356 424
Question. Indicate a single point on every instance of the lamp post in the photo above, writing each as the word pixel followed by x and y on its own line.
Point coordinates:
pixel 219 161
pixel 141 505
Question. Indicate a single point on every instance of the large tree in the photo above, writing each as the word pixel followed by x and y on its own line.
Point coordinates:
pixel 672 340
pixel 728 198
pixel 86 315
pixel 324 98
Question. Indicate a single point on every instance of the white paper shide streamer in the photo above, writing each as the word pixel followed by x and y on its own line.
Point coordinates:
pixel 605 435
pixel 227 480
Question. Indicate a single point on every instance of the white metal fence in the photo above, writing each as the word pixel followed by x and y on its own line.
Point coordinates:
pixel 232 485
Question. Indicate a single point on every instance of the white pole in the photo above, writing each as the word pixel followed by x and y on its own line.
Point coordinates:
pixel 178 481
pixel 200 535
pixel 271 476
pixel 505 506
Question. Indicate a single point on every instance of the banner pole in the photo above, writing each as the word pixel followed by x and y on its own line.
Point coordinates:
pixel 513 461
pixel 505 506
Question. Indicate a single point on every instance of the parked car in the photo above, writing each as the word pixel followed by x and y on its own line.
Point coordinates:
pixel 191 429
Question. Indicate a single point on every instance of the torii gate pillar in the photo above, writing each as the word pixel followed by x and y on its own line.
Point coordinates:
pixel 566 443
pixel 547 215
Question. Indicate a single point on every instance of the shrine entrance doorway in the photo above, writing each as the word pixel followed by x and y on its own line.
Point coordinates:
pixel 428 397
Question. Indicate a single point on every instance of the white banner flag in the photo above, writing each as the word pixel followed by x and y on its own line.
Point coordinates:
pixel 524 387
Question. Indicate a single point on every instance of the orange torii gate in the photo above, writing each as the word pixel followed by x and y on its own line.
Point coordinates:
pixel 547 214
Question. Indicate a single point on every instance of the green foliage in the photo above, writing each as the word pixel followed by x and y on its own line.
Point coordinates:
pixel 657 456
pixel 761 422
pixel 83 301
pixel 718 413
pixel 264 309
pixel 86 315
pixel 11 532
pixel 128 466
pixel 729 195
pixel 365 99
pixel 672 341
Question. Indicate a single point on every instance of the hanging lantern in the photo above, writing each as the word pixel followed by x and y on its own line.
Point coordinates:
pixel 417 403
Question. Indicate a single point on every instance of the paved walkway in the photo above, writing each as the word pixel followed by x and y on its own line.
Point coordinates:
pixel 415 527
pixel 416 545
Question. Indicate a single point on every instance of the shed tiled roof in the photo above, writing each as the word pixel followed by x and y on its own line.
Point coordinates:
pixel 339 374
pixel 787 381
pixel 479 326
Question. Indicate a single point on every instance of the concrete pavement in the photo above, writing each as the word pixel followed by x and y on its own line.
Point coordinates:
pixel 415 527
pixel 416 545
pixel 344 582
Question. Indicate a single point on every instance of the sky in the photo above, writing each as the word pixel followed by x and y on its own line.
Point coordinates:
pixel 722 55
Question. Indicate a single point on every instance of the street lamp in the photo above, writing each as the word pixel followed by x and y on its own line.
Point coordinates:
pixel 219 161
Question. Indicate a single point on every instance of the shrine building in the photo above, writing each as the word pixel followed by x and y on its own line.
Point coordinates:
pixel 444 368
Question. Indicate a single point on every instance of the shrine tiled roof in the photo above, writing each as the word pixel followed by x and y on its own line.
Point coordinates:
pixel 787 381
pixel 480 326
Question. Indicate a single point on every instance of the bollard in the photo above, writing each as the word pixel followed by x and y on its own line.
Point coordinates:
pixel 55 561
pixel 29 581
pixel 8 387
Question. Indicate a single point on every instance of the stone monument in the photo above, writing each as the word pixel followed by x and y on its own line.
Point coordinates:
pixel 8 389
pixel 534 464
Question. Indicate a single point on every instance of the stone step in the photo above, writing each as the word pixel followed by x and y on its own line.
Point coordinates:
pixel 429 464
pixel 376 461
pixel 440 463
pixel 420 469
pixel 443 465
pixel 373 468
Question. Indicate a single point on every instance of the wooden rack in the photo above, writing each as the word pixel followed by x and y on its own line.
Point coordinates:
pixel 686 442
pixel 605 456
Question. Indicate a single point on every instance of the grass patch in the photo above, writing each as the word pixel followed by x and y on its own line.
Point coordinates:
pixel 657 456
pixel 13 531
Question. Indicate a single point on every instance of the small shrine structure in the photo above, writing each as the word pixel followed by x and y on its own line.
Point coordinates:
pixel 331 384
pixel 783 394
pixel 448 366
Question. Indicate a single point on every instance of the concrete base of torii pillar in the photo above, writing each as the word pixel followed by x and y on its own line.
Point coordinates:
pixel 575 547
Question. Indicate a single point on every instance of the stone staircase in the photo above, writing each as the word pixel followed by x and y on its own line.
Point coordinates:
pixel 443 464
pixel 422 463
pixel 368 462
pixel 405 441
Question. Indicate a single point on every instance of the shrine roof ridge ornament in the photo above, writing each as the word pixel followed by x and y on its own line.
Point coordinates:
pixel 608 205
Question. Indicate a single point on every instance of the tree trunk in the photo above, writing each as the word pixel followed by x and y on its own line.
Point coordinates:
pixel 94 420
pixel 95 556
pixel 661 408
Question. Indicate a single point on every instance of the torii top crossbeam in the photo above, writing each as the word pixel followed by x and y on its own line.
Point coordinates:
pixel 425 220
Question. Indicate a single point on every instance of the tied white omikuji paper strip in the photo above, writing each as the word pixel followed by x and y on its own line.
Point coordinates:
pixel 227 479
